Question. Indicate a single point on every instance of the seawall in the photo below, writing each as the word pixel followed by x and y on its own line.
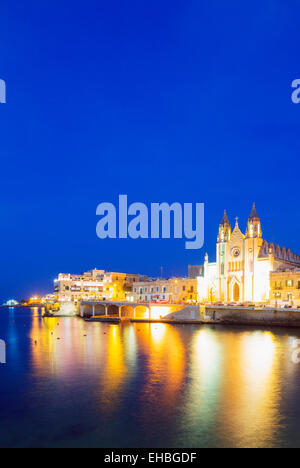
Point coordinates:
pixel 247 316
pixel 235 316
pixel 189 314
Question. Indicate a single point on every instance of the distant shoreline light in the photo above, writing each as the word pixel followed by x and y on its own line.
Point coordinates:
pixel 11 303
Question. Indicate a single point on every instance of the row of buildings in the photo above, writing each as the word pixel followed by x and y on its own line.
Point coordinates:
pixel 95 285
pixel 247 269
pixel 111 286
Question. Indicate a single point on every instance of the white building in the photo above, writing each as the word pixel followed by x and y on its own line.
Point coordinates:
pixel 243 264
pixel 94 285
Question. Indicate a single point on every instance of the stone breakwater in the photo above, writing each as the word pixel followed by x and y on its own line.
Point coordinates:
pixel 237 316
pixel 247 316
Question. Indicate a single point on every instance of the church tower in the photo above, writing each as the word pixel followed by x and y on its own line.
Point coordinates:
pixel 254 225
pixel 224 229
pixel 253 243
pixel 224 237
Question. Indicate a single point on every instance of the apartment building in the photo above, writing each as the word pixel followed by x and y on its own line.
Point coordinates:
pixel 95 285
pixel 173 290
pixel 285 287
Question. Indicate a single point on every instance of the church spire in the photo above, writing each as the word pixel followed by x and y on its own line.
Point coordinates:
pixel 224 229
pixel 253 214
pixel 225 219
pixel 254 225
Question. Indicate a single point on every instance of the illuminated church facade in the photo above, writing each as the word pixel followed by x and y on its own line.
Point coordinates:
pixel 243 264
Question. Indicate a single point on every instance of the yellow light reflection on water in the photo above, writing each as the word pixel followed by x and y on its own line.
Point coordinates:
pixel 203 393
pixel 207 353
pixel 258 352
pixel 114 368
pixel 157 331
pixel 115 357
pixel 226 382
pixel 165 353
pixel 251 390
pixel 130 345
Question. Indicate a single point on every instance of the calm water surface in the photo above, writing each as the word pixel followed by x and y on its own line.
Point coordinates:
pixel 142 385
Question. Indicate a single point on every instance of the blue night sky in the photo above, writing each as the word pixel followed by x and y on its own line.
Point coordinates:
pixel 184 101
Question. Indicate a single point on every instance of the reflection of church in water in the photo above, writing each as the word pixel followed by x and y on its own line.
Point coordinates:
pixel 244 262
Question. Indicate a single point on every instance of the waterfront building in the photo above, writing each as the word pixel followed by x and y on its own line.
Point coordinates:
pixel 49 299
pixel 95 285
pixel 244 263
pixel 173 290
pixel 285 288
pixel 34 300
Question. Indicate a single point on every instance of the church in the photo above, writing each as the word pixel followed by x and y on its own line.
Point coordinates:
pixel 243 264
